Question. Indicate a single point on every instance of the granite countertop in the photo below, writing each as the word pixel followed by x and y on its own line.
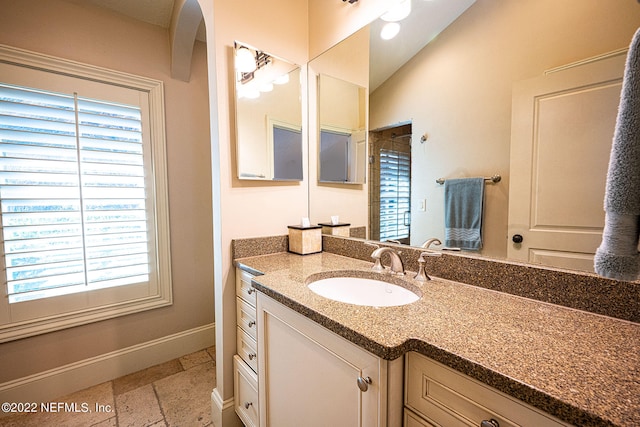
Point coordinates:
pixel 581 367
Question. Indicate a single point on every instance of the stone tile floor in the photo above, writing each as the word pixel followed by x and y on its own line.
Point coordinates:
pixel 174 393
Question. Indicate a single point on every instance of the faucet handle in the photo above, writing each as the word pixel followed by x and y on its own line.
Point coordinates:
pixel 370 243
pixel 422 275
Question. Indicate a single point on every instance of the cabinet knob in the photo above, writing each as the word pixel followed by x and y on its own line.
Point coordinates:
pixel 489 423
pixel 247 404
pixel 363 383
pixel 251 323
pixel 252 356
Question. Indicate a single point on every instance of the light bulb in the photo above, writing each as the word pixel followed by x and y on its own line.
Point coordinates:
pixel 245 61
pixel 398 12
pixel 390 30
pixel 283 79
pixel 251 93
pixel 248 92
pixel 267 87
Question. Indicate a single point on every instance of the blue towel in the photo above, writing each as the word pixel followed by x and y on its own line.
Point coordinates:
pixel 617 256
pixel 463 202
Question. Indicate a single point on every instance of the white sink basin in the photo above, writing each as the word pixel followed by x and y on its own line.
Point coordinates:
pixel 363 291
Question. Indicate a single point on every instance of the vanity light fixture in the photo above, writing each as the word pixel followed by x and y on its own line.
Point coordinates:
pixel 245 63
pixel 390 30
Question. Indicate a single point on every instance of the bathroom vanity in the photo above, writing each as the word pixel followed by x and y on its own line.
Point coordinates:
pixel 460 355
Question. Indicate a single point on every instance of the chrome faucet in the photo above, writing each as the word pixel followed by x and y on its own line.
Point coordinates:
pixel 396 262
pixel 434 241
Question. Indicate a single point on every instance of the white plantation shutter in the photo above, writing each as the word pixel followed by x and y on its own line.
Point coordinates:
pixel 82 192
pixel 72 194
pixel 395 194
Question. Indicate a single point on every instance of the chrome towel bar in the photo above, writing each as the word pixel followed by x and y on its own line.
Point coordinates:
pixel 493 179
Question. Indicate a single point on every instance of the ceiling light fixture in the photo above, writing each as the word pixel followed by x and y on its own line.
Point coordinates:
pixel 390 30
pixel 398 12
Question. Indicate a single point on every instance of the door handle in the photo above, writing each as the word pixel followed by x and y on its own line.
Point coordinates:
pixel 517 238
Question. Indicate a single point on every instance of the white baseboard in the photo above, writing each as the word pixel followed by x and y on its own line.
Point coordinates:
pixel 60 381
pixel 223 412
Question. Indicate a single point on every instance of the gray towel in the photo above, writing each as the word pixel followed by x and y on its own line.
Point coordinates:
pixel 463 202
pixel 617 257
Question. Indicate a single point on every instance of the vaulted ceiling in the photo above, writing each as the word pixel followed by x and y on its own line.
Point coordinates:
pixel 427 20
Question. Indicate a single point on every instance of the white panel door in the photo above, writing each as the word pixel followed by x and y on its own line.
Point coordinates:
pixel 562 129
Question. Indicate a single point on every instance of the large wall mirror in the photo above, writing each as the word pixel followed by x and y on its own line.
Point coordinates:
pixel 268 116
pixel 442 91
pixel 343 133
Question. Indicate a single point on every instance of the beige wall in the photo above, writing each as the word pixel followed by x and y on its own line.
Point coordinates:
pixel 248 208
pixel 458 90
pixel 86 34
pixel 332 22
pixel 294 30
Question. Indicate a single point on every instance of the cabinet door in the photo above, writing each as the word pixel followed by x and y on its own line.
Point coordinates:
pixel 308 376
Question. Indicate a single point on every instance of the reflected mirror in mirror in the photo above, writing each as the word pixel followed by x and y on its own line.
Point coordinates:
pixel 456 93
pixel 268 116
pixel 343 141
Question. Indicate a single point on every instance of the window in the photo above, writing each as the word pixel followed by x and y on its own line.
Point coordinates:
pixel 285 144
pixel 83 201
pixel 334 156
pixel 395 194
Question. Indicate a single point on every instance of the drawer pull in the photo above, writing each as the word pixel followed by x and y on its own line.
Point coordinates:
pixel 251 323
pixel 489 423
pixel 252 356
pixel 250 291
pixel 247 404
pixel 363 383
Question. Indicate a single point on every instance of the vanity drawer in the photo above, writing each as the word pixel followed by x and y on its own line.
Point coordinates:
pixel 247 349
pixel 243 287
pixel 446 397
pixel 246 317
pixel 245 384
pixel 412 420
